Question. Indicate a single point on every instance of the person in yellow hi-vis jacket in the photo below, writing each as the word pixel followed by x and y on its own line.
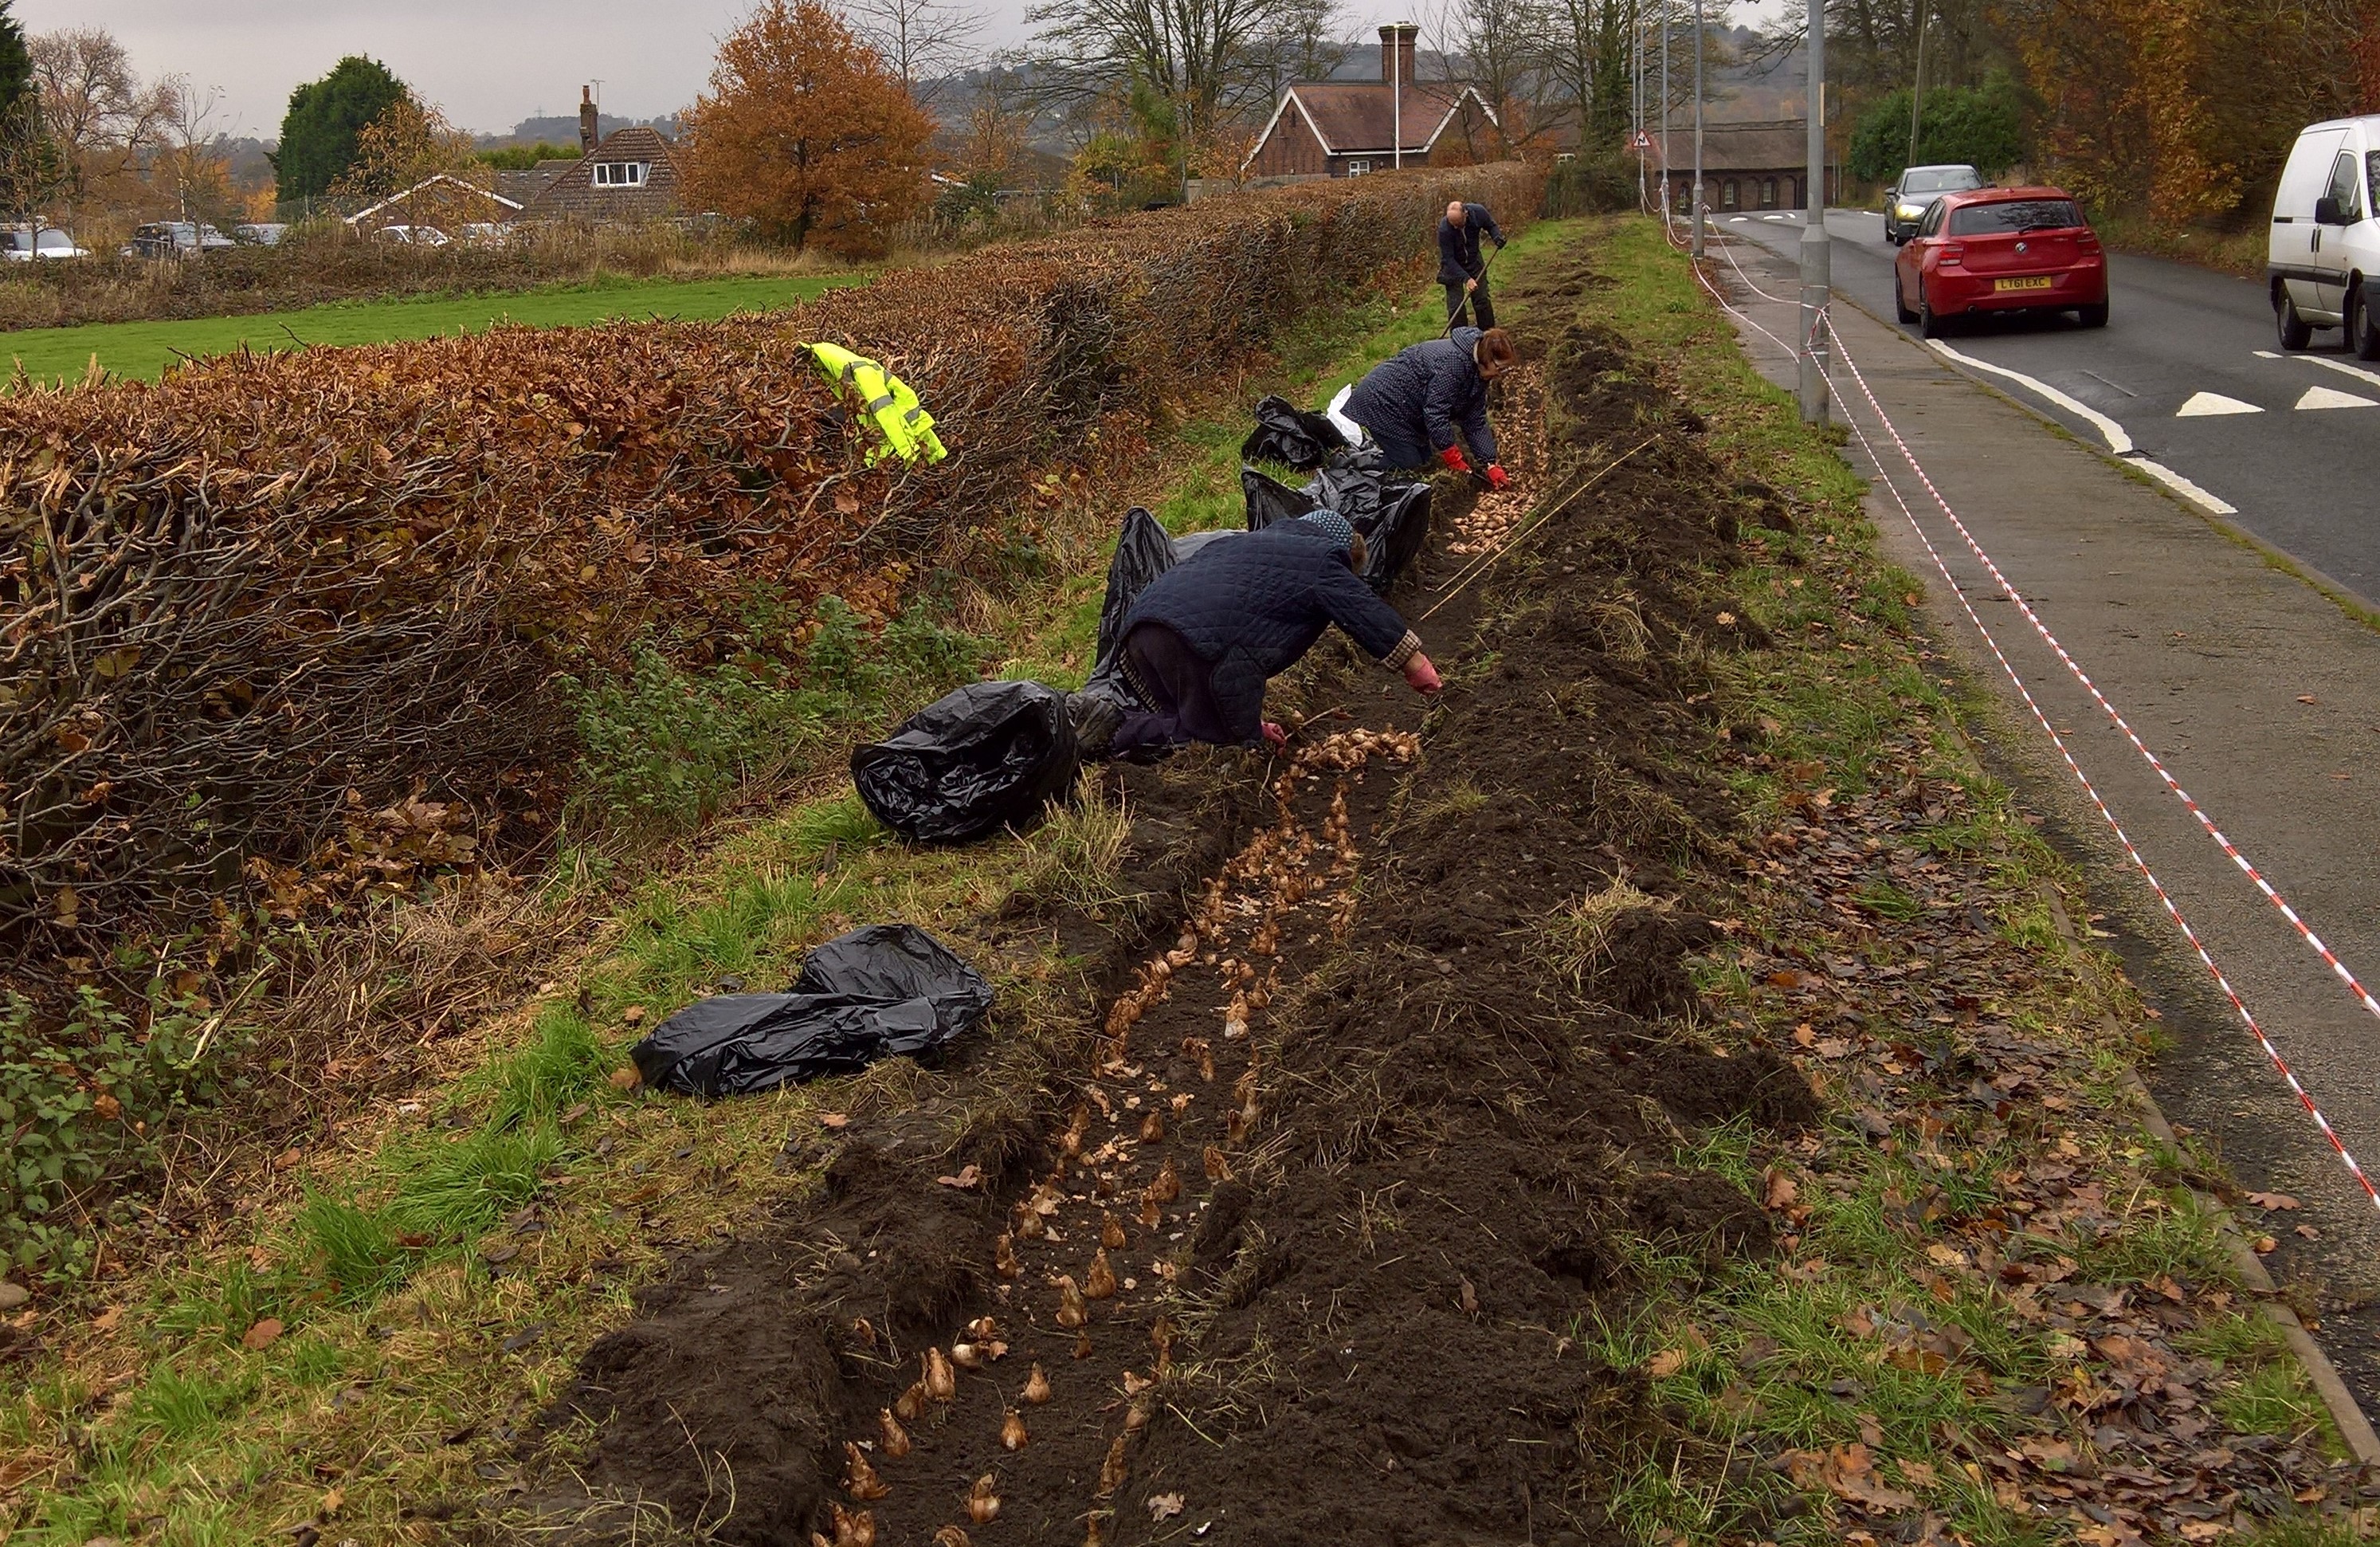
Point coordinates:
pixel 907 428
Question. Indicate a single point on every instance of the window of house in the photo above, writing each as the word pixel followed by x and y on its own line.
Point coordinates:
pixel 621 174
pixel 1769 194
pixel 1358 168
pixel 1727 195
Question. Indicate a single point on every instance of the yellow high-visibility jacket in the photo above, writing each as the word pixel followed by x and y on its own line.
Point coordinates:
pixel 907 428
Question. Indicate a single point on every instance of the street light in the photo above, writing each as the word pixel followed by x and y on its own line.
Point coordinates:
pixel 1817 261
pixel 1698 128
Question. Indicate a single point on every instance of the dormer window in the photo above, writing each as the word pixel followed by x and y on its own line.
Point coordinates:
pixel 621 174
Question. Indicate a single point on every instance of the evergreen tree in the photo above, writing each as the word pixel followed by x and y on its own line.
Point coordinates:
pixel 318 134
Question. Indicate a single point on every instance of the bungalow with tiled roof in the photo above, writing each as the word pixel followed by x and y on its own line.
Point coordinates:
pixel 632 175
pixel 1346 129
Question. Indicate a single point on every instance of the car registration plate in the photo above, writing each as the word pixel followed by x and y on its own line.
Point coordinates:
pixel 2039 282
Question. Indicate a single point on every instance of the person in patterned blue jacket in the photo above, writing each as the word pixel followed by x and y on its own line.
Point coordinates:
pixel 1201 642
pixel 1426 399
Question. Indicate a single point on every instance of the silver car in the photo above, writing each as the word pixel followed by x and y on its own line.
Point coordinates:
pixel 1906 202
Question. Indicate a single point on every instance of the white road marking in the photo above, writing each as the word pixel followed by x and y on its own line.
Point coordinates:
pixel 2338 365
pixel 2206 405
pixel 2119 441
pixel 2331 398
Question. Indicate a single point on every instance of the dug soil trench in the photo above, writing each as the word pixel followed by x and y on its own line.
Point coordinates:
pixel 1297 1243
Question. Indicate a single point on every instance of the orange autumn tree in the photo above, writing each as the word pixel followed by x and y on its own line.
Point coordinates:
pixel 807 133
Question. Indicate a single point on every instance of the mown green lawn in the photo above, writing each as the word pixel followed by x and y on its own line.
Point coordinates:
pixel 145 349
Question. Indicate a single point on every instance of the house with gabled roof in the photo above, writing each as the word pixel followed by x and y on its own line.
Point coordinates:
pixel 631 175
pixel 1346 129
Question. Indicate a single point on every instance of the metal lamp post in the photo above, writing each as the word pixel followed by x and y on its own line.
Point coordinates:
pixel 1817 261
pixel 1698 128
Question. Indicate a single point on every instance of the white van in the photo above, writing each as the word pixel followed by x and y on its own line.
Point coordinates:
pixel 2325 239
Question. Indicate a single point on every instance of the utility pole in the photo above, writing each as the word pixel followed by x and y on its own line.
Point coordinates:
pixel 1917 79
pixel 1668 200
pixel 1817 261
pixel 1698 128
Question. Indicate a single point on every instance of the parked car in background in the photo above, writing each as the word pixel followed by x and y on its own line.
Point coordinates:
pixel 1906 202
pixel 266 233
pixel 415 236
pixel 23 244
pixel 174 239
pixel 489 233
pixel 2324 241
pixel 2001 250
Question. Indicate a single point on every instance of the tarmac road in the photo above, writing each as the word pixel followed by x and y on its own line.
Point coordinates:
pixel 2260 694
pixel 2189 368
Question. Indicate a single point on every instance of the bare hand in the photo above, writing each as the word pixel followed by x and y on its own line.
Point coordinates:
pixel 1469 286
pixel 1274 734
pixel 1420 676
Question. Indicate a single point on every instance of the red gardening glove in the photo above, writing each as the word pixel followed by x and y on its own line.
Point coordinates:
pixel 1496 476
pixel 1420 676
pixel 1274 734
pixel 1453 457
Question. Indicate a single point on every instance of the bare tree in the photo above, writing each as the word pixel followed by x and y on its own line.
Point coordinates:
pixel 190 166
pixel 1300 43
pixel 1199 56
pixel 104 121
pixel 923 42
pixel 1582 59
pixel 1492 46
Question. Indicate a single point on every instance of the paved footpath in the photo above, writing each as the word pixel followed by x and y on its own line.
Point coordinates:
pixel 2261 698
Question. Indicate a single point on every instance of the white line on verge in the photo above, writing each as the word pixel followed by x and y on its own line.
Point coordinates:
pixel 2119 441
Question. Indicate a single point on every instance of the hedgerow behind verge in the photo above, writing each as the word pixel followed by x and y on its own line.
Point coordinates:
pixel 263 583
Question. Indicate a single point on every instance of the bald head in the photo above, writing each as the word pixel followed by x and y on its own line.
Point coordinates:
pixel 1454 211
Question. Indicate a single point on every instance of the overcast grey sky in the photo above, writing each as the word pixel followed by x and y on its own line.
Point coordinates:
pixel 487 63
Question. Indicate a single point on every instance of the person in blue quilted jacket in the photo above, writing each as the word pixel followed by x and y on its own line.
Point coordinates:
pixel 1426 400
pixel 1201 642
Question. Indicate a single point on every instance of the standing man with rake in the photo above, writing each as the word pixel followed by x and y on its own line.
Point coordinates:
pixel 1460 267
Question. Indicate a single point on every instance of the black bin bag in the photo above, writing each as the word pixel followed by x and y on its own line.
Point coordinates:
pixel 1292 437
pixel 989 755
pixel 1393 517
pixel 882 992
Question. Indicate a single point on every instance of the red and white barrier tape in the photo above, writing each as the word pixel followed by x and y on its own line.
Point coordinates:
pixel 2165 899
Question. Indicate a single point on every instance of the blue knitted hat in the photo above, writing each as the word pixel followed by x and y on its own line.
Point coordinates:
pixel 1330 524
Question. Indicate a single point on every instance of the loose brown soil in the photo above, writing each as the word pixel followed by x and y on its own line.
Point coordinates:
pixel 1302 1242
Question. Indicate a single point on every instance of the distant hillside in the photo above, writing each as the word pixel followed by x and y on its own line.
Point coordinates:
pixel 562 129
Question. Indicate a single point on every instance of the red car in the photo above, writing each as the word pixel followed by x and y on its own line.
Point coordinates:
pixel 2001 250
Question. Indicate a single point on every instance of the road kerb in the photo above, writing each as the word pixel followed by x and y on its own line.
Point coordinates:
pixel 2353 1427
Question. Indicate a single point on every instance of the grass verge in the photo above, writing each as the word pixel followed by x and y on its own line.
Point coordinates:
pixel 1997 1316
pixel 144 350
pixel 401 1298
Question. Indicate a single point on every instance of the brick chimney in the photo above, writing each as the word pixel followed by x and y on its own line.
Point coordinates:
pixel 587 120
pixel 1397 50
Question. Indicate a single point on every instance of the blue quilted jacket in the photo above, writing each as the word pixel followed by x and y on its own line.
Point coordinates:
pixel 1415 401
pixel 1252 606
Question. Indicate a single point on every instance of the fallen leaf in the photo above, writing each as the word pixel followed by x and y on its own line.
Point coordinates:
pixel 263 1334
pixel 834 1119
pixel 2272 1200
pixel 1781 1190
pixel 2309 1232
pixel 626 1078
pixel 108 1321
pixel 330 1502
pixel 1164 1506
pixel 1667 1362
pixel 968 1176
pixel 2264 1243
pixel 2306 698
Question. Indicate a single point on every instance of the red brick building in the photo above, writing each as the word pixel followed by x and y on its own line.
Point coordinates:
pixel 1346 129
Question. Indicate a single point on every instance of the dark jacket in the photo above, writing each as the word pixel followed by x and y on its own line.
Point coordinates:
pixel 1458 251
pixel 1414 401
pixel 1252 606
